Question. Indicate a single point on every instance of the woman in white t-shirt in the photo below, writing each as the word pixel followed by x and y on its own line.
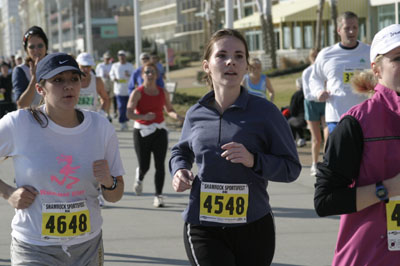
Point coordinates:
pixel 61 155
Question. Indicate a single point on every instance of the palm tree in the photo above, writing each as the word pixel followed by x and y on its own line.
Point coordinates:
pixel 211 17
pixel 265 10
pixel 320 11
pixel 334 19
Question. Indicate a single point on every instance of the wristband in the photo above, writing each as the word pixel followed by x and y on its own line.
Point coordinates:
pixel 114 185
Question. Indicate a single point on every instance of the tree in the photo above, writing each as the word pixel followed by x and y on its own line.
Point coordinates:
pixel 334 19
pixel 265 10
pixel 320 11
pixel 211 17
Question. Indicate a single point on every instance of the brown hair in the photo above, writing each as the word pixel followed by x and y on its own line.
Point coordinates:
pixel 218 35
pixel 149 64
pixel 40 117
pixel 344 16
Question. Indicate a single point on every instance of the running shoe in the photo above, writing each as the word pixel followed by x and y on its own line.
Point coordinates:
pixel 158 201
pixel 301 143
pixel 313 169
pixel 138 187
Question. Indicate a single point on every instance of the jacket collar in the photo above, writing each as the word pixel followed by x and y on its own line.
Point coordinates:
pixel 389 96
pixel 241 101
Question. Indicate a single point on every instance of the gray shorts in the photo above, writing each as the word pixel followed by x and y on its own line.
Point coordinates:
pixel 89 253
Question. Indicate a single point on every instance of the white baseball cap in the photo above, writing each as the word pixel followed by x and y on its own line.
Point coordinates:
pixel 85 59
pixel 385 41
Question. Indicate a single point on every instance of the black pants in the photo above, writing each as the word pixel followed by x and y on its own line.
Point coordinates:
pixel 156 143
pixel 252 244
pixel 297 125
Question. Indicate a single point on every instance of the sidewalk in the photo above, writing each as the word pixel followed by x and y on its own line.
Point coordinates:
pixel 136 233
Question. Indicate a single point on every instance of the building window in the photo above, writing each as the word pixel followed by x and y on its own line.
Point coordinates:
pixel 254 40
pixel 286 37
pixel 331 36
pixel 308 36
pixel 386 15
pixel 297 37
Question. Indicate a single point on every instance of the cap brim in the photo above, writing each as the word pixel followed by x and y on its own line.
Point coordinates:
pixel 58 70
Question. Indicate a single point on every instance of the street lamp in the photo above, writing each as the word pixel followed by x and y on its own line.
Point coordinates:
pixel 12 22
pixel 164 44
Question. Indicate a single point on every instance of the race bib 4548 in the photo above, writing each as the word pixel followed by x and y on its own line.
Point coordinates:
pixel 224 203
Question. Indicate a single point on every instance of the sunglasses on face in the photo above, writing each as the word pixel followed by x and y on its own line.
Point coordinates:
pixel 148 72
pixel 39 46
pixel 145 58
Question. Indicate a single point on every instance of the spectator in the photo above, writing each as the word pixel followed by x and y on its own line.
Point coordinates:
pixel 6 104
pixel 296 119
pixel 35 43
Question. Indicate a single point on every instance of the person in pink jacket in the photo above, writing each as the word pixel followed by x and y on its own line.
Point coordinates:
pixel 360 175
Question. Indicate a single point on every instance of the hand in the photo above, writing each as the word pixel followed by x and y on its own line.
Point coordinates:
pixel 102 173
pixel 237 153
pixel 182 180
pixel 22 197
pixel 149 116
pixel 323 96
pixel 32 67
pixel 2 90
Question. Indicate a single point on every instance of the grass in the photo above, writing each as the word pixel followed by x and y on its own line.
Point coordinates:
pixel 284 87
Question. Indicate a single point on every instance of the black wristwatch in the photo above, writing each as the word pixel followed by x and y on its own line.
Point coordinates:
pixel 114 185
pixel 381 192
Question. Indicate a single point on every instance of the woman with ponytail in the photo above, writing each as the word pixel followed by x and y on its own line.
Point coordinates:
pixel 360 175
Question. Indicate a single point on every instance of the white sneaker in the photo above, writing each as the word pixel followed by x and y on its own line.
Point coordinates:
pixel 301 143
pixel 158 201
pixel 313 169
pixel 138 187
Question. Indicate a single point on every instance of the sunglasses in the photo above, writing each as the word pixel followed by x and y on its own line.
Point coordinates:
pixel 148 72
pixel 39 46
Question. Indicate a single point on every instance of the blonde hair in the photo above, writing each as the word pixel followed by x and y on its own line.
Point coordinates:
pixel 365 81
pixel 254 61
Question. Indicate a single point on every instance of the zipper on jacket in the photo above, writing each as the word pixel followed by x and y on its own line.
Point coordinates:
pixel 382 138
pixel 220 130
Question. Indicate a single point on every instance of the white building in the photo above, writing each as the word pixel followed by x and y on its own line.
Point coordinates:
pixel 10 27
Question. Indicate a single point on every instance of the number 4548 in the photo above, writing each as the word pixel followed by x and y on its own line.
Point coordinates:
pixel 231 205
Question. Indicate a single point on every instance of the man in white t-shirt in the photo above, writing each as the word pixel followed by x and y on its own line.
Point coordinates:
pixel 120 73
pixel 334 67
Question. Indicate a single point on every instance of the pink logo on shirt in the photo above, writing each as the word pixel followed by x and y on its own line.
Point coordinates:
pixel 66 171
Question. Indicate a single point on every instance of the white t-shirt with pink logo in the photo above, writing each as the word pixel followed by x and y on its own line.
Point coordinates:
pixel 57 162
